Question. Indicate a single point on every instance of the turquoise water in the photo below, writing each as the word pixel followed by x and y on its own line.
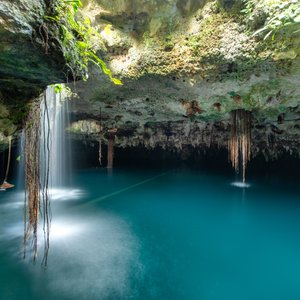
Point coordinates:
pixel 177 234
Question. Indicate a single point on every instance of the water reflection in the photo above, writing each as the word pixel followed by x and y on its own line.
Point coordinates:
pixel 16 199
pixel 98 256
pixel 240 184
pixel 90 252
pixel 181 236
pixel 65 194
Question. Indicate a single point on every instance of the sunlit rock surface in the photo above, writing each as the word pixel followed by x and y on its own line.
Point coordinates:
pixel 185 64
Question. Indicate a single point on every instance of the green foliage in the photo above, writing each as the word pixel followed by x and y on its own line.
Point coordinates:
pixel 60 88
pixel 249 6
pixel 4 112
pixel 74 37
pixel 281 15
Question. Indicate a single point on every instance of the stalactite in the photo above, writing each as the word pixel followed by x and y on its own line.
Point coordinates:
pixel 240 140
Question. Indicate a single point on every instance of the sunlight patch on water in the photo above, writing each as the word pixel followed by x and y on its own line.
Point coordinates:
pixel 13 205
pixel 58 230
pixel 65 194
pixel 240 184
pixel 13 231
pixel 98 254
pixel 64 230
pixel 16 200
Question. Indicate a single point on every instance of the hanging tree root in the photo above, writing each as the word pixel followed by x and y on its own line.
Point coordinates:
pixel 32 178
pixel 36 181
pixel 100 139
pixel 110 152
pixel 240 140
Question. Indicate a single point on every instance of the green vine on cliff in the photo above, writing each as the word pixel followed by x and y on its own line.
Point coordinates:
pixel 74 36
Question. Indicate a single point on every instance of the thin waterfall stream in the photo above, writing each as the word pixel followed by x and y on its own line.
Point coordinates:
pixel 55 149
pixel 149 149
pixel 47 161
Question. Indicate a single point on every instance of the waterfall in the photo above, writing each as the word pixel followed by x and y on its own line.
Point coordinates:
pixel 46 162
pixel 55 148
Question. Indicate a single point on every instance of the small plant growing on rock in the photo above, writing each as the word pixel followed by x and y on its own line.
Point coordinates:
pixel 74 37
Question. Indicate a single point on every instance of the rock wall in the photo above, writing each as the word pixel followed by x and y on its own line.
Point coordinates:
pixel 184 63
pixel 188 64
pixel 27 66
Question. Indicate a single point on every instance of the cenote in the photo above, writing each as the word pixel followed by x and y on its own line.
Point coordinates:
pixel 149 149
pixel 159 233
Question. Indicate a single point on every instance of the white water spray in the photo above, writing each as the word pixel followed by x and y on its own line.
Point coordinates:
pixel 55 148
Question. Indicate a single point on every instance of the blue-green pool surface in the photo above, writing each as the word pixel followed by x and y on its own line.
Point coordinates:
pixel 172 234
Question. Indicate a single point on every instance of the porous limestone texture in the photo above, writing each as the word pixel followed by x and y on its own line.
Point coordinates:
pixel 184 63
pixel 188 64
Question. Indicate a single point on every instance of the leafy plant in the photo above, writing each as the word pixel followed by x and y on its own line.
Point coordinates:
pixel 58 88
pixel 74 36
pixel 281 14
pixel 249 6
pixel 62 88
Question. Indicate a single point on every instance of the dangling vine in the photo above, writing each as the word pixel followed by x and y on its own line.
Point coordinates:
pixel 32 178
pixel 37 202
pixel 110 152
pixel 100 139
pixel 240 140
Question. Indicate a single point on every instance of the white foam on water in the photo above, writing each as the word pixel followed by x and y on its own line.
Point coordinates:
pixel 16 200
pixel 240 184
pixel 58 194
